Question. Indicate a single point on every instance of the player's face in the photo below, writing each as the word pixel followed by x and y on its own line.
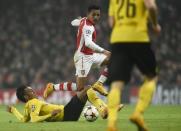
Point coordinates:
pixel 94 16
pixel 30 93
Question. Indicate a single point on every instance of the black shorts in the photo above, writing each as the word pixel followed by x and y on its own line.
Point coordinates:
pixel 125 55
pixel 73 109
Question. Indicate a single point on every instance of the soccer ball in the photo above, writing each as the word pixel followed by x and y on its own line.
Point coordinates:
pixel 90 113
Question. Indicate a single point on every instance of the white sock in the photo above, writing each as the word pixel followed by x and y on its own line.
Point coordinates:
pixel 103 76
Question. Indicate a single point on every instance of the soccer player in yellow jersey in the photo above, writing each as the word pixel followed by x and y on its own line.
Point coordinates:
pixel 130 45
pixel 36 110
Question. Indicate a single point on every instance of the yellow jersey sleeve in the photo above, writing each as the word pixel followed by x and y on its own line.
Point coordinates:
pixel 19 116
pixel 130 21
pixel 37 118
pixel 34 107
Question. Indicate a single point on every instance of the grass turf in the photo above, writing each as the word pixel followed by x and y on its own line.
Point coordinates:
pixel 158 118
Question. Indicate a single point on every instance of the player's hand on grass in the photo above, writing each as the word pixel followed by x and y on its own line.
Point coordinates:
pixel 8 109
pixel 157 29
pixel 55 112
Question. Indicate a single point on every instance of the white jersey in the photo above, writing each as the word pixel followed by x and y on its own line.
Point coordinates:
pixel 86 37
pixel 88 53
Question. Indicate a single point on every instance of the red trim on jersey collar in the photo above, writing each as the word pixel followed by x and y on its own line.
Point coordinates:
pixel 90 22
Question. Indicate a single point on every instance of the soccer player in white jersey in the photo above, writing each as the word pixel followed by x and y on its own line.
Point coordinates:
pixel 88 54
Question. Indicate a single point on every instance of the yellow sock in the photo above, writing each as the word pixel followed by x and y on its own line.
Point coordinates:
pixel 114 99
pixel 95 100
pixel 145 95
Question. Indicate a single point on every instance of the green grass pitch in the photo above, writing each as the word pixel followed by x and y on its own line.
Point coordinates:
pixel 158 118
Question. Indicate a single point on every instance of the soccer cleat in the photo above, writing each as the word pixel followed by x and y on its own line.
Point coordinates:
pixel 120 107
pixel 48 90
pixel 98 86
pixel 104 113
pixel 138 120
pixel 112 129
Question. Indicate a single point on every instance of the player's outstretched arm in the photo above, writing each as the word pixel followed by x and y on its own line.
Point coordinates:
pixel 18 115
pixel 36 118
pixel 153 11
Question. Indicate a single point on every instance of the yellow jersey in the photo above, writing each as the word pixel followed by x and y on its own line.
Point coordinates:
pixel 36 111
pixel 131 18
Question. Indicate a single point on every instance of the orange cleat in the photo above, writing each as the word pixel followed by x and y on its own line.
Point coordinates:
pixel 48 90
pixel 138 120
pixel 120 107
pixel 112 129
pixel 104 113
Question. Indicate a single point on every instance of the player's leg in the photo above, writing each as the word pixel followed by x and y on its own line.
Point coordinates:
pixel 73 109
pixel 83 65
pixel 98 86
pixel 63 86
pixel 81 82
pixel 103 61
pixel 103 77
pixel 147 65
pixel 119 72
pixel 98 103
pixel 99 60
pixel 114 99
pixel 145 96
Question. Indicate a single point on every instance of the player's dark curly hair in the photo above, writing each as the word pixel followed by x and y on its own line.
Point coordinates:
pixel 93 7
pixel 20 92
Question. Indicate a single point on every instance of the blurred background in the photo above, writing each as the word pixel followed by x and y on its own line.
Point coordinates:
pixel 37 44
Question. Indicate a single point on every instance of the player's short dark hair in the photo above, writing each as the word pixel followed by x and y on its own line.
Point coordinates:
pixel 93 7
pixel 20 92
